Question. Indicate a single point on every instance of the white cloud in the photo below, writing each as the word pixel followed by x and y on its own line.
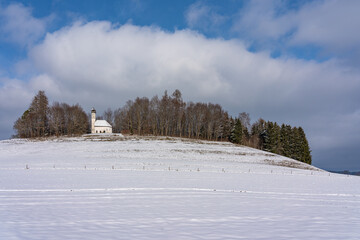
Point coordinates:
pixel 136 60
pixel 19 26
pixel 259 19
pixel 44 82
pixel 122 59
pixel 333 23
pixel 15 97
pixel 13 94
pixel 330 25
pixel 200 15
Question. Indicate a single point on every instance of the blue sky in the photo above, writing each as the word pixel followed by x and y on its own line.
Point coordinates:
pixel 293 62
pixel 168 15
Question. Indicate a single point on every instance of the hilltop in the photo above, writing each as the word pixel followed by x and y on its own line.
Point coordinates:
pixel 168 116
pixel 181 153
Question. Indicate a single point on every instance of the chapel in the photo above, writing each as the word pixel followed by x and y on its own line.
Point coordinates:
pixel 99 126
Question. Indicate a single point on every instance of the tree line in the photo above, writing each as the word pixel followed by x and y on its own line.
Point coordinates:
pixel 169 115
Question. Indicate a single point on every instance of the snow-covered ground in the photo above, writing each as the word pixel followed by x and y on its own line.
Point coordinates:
pixel 168 188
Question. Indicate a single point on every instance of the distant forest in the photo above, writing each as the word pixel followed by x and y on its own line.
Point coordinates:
pixel 166 116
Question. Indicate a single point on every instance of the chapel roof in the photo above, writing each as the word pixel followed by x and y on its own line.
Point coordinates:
pixel 101 123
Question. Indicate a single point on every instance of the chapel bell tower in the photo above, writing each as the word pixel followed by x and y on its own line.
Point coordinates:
pixel 93 119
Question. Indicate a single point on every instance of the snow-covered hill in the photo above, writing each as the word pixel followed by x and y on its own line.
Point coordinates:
pixel 116 187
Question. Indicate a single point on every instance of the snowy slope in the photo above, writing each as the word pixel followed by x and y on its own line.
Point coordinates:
pixel 117 187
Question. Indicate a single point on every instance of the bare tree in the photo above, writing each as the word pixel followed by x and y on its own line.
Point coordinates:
pixel 141 110
pixel 153 118
pixel 245 120
pixel 164 114
pixel 189 116
pixel 178 112
pixel 109 116
pixel 57 119
pixel 119 120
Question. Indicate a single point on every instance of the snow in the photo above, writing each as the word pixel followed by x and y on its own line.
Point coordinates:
pixel 102 123
pixel 116 187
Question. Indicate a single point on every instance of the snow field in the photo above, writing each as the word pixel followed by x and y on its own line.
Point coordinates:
pixel 127 191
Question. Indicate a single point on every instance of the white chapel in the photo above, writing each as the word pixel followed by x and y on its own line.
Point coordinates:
pixel 99 126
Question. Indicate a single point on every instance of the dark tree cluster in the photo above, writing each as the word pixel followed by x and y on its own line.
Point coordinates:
pixel 40 120
pixel 269 136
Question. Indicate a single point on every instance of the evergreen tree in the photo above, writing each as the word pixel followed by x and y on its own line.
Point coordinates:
pixel 271 137
pixel 258 134
pixel 305 152
pixel 285 140
pixel 295 144
pixel 237 133
pixel 275 139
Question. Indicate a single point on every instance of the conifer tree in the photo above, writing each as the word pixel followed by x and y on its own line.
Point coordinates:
pixel 295 144
pixel 258 134
pixel 285 140
pixel 305 152
pixel 237 133
pixel 271 137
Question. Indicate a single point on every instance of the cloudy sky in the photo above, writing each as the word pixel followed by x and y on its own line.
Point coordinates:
pixel 294 62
